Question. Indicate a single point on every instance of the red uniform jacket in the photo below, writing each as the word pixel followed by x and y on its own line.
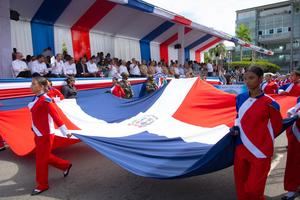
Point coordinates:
pixel 269 87
pixel 260 121
pixel 44 113
pixel 118 91
pixel 292 89
pixel 53 92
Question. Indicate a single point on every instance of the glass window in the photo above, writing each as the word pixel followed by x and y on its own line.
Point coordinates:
pixel 271 31
pixel 279 30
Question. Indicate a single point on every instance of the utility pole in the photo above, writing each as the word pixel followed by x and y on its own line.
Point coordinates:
pixel 292 37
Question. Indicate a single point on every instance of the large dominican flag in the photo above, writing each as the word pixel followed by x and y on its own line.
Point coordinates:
pixel 177 131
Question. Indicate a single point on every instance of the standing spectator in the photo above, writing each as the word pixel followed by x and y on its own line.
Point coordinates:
pixel 20 68
pixel 58 66
pixel 81 68
pixel 39 67
pixel 69 91
pixel 47 52
pixel 134 69
pixel 196 68
pixel 92 67
pixel 126 86
pixel 210 69
pixel 69 67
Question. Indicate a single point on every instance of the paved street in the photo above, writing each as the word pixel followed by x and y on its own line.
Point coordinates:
pixel 95 177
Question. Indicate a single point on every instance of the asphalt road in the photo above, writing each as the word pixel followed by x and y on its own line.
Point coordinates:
pixel 95 177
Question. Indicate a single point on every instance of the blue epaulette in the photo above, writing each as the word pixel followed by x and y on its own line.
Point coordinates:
pixel 48 99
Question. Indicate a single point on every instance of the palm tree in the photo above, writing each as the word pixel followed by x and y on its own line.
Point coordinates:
pixel 218 52
pixel 244 33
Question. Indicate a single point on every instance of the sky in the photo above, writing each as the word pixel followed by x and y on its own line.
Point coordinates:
pixel 219 14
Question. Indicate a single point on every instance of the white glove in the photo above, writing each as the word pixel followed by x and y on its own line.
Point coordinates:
pixel 56 99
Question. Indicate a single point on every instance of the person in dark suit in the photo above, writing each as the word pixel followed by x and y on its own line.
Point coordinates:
pixel 81 68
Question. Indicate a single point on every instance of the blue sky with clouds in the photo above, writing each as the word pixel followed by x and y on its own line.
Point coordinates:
pixel 219 14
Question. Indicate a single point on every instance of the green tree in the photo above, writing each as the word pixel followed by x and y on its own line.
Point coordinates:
pixel 218 52
pixel 244 33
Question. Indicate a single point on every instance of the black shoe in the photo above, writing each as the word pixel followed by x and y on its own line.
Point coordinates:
pixel 37 191
pixel 2 148
pixel 66 173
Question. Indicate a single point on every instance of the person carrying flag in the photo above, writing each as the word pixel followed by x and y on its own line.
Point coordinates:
pixel 44 113
pixel 258 122
pixel 292 170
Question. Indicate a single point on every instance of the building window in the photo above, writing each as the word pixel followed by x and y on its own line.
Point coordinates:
pixel 259 32
pixel 271 31
pixel 279 30
pixel 289 29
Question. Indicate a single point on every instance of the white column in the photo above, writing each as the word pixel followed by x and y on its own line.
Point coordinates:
pixel 181 42
pixel 5 40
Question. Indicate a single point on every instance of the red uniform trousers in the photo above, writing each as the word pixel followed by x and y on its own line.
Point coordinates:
pixel 292 170
pixel 250 174
pixel 1 142
pixel 44 157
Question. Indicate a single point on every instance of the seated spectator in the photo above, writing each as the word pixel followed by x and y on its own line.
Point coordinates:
pixel 54 93
pixel 134 69
pixel 29 64
pixel 144 69
pixel 117 90
pixel 92 67
pixel 150 85
pixel 151 68
pixel 69 67
pixel 113 69
pixel 69 91
pixel 39 67
pixel 158 68
pixel 181 71
pixel 81 68
pixel 20 68
pixel 126 86
pixel 57 66
pixel 123 68
pixel 165 70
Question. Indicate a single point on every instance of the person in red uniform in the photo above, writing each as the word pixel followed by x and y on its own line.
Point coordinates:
pixel 44 113
pixel 292 170
pixel 269 86
pixel 258 122
pixel 292 88
pixel 2 146
pixel 53 92
pixel 117 90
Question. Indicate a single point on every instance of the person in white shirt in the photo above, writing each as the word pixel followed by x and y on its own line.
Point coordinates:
pixel 20 67
pixel 113 69
pixel 39 67
pixel 123 68
pixel 92 66
pixel 57 66
pixel 158 68
pixel 69 67
pixel 134 69
pixel 210 69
